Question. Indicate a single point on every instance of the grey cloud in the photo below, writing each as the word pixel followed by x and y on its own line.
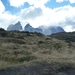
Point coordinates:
pixel 31 13
pixel 71 22
pixel 68 22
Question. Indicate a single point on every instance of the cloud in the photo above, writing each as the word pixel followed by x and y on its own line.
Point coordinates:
pixel 2 8
pixel 68 28
pixel 66 17
pixel 72 1
pixel 40 15
pixel 65 12
pixel 18 3
pixel 59 1
pixel 6 19
pixel 61 16
pixel 36 16
pixel 31 13
pixel 70 23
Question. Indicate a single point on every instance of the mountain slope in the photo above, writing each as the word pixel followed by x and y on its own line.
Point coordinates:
pixel 28 53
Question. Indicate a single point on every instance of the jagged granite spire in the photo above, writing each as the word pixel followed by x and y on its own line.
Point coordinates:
pixel 29 28
pixel 16 26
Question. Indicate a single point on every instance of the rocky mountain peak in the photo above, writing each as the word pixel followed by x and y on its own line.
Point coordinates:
pixel 16 26
pixel 29 28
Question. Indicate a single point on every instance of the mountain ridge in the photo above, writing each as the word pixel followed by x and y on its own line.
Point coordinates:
pixel 47 31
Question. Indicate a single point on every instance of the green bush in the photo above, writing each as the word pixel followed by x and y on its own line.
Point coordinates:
pixel 3 33
pixel 39 34
pixel 40 42
pixel 1 29
pixel 26 58
pixel 57 46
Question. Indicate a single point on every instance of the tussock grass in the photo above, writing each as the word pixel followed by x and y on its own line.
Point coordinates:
pixel 24 48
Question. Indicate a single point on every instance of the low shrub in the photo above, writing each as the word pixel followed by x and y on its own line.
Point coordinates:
pixel 26 58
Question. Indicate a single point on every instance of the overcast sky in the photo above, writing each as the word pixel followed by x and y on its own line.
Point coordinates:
pixel 38 12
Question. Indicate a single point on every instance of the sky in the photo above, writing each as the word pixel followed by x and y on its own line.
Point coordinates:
pixel 38 13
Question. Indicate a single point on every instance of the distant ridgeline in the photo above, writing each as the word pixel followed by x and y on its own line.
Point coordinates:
pixel 47 31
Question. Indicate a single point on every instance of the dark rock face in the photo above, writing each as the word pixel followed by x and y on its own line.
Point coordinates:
pixel 17 26
pixel 29 28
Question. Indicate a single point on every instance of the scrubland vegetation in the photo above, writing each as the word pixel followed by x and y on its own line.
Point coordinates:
pixel 27 53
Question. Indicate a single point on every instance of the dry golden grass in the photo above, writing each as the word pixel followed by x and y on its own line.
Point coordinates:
pixel 31 48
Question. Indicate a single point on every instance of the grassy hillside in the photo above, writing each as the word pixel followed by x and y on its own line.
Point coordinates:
pixel 49 54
